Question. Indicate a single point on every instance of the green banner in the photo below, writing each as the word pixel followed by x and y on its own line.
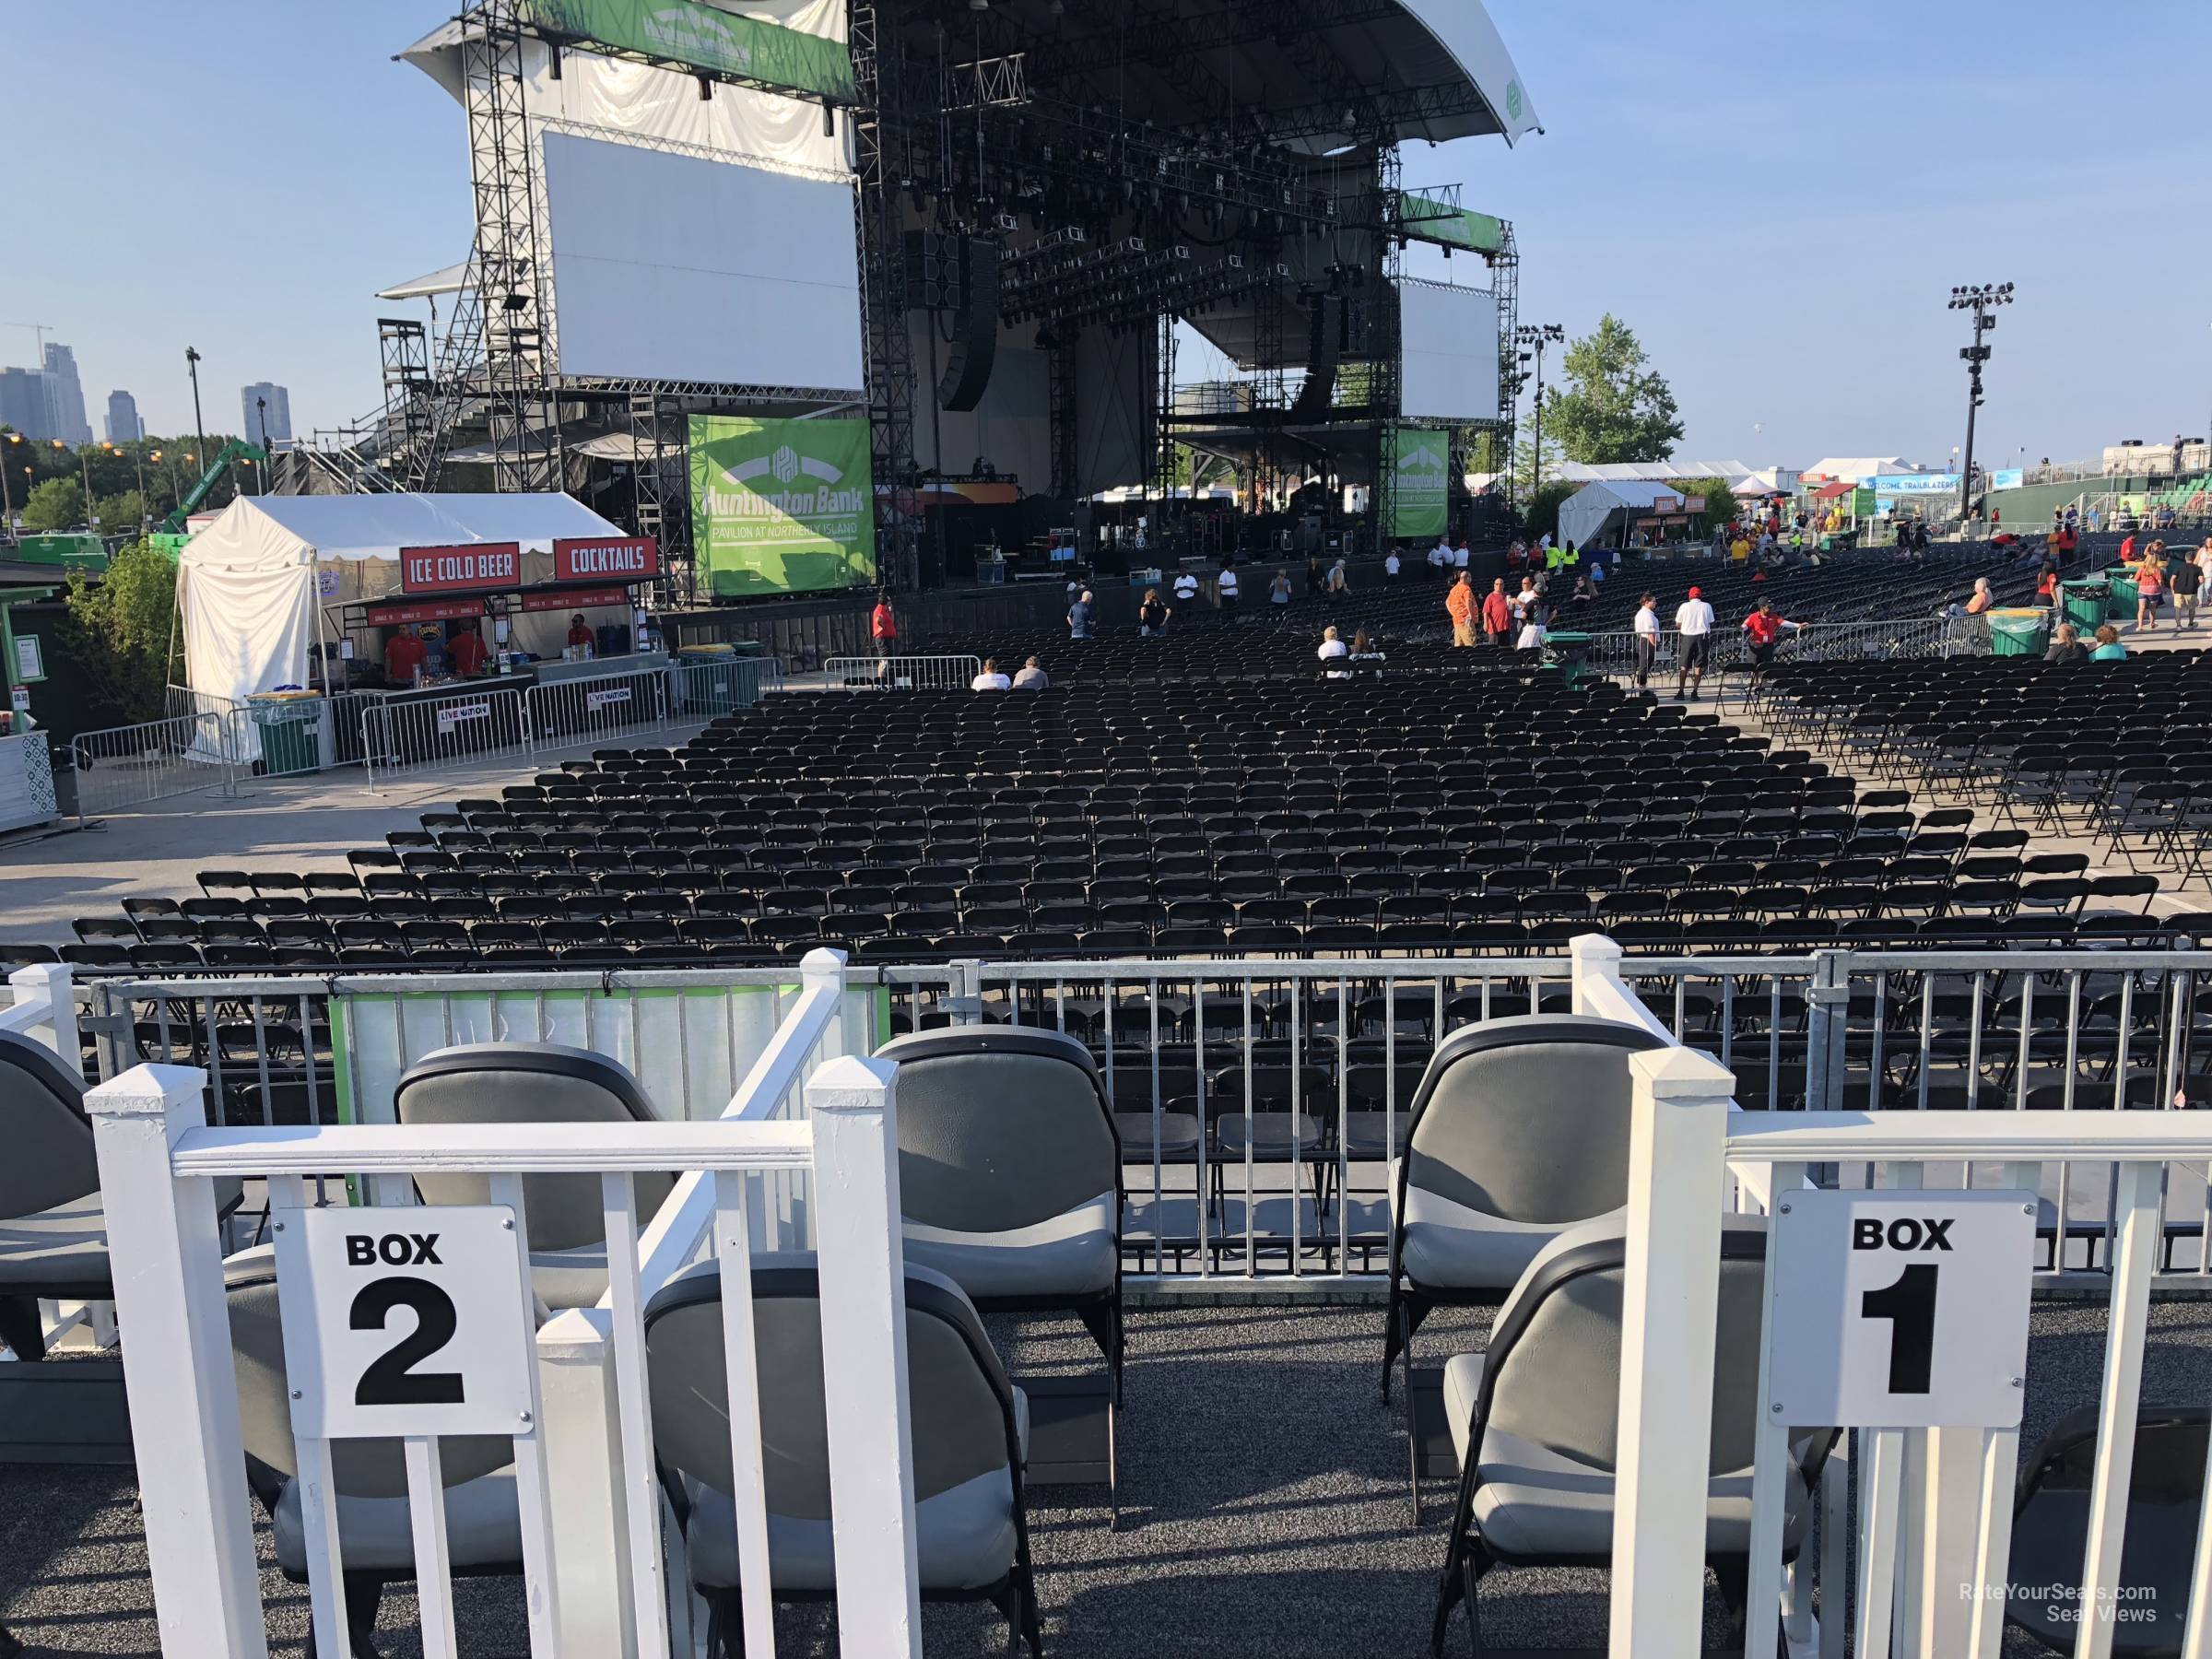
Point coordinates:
pixel 782 506
pixel 1420 465
pixel 1425 219
pixel 701 37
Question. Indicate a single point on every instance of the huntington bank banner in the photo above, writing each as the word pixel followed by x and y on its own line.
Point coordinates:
pixel 1421 495
pixel 703 37
pixel 781 506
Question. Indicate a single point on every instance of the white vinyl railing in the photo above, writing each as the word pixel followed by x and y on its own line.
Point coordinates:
pixel 1936 1505
pixel 591 1515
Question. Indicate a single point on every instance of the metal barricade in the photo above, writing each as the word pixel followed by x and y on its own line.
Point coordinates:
pixel 599 708
pixel 707 689
pixel 129 765
pixel 902 672
pixel 407 732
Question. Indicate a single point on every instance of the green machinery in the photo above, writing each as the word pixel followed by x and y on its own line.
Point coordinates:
pixel 236 450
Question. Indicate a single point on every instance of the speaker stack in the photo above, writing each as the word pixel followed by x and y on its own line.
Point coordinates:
pixel 1324 345
pixel 974 329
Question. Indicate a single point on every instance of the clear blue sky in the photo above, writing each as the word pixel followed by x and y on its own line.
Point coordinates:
pixel 1777 198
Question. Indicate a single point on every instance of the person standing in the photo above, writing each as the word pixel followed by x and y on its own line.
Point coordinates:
pixel 1278 590
pixel 2186 577
pixel 1497 614
pixel 1647 639
pixel 1225 588
pixel 1440 556
pixel 1392 566
pixel 883 630
pixel 1764 627
pixel 1152 615
pixel 1080 615
pixel 1533 632
pixel 1338 581
pixel 1460 554
pixel 2150 589
pixel 1186 588
pixel 1693 629
pixel 1459 605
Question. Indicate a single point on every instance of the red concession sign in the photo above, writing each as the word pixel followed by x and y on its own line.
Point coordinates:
pixel 607 559
pixel 473 567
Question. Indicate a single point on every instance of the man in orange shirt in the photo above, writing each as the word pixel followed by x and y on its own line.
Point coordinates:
pixel 1460 605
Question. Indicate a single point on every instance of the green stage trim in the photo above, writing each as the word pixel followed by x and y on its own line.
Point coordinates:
pixel 703 37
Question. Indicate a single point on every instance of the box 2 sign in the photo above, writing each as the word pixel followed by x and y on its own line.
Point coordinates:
pixel 474 567
pixel 1900 1309
pixel 404 1322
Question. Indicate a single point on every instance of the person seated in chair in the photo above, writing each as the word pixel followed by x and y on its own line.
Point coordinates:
pixel 2065 646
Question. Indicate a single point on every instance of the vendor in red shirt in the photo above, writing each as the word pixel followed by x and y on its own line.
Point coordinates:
pixel 404 655
pixel 883 627
pixel 579 631
pixel 1764 627
pixel 466 649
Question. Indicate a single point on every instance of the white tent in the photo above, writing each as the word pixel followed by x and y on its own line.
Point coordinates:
pixel 1583 514
pixel 269 577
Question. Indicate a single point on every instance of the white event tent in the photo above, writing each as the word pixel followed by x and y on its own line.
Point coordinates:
pixel 272 575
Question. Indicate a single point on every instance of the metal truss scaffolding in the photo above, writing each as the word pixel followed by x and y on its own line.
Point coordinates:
pixel 659 437
pixel 889 350
pixel 1385 345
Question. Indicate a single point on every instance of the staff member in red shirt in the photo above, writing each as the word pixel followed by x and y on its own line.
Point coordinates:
pixel 404 653
pixel 579 631
pixel 1764 628
pixel 466 649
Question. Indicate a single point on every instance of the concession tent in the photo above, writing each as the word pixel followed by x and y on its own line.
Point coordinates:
pixel 273 574
pixel 1588 515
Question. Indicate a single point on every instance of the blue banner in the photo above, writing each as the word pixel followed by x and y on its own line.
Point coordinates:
pixel 2008 478
pixel 1912 484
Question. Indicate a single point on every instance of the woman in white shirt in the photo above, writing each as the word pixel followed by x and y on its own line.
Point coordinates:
pixel 989 679
pixel 1331 648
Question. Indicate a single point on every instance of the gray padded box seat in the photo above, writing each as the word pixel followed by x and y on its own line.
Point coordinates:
pixel 1545 1487
pixel 54 1239
pixel 970 1428
pixel 1009 1165
pixel 482 1518
pixel 535 1083
pixel 1519 1129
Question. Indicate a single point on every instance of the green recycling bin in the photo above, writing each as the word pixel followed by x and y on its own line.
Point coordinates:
pixel 2121 580
pixel 2018 632
pixel 1570 654
pixel 290 729
pixel 2086 604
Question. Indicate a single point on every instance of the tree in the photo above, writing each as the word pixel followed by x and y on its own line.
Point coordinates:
pixel 57 504
pixel 1527 473
pixel 1540 506
pixel 119 512
pixel 1720 503
pixel 1615 407
pixel 118 631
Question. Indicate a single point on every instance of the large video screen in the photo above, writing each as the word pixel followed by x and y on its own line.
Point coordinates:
pixel 1450 338
pixel 672 267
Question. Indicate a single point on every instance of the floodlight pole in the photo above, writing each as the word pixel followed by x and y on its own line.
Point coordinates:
pixel 192 367
pixel 1982 299
pixel 1533 337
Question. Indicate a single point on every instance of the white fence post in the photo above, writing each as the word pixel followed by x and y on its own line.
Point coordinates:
pixel 178 1373
pixel 1670 1303
pixel 48 984
pixel 1594 957
pixel 583 1453
pixel 862 1261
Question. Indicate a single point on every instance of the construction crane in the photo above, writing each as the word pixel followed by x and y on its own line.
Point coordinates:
pixel 39 331
pixel 237 448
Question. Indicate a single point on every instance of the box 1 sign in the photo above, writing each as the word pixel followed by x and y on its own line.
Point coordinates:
pixel 1900 1309
pixel 404 1321
pixel 471 567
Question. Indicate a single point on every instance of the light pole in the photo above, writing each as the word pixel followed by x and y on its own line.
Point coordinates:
pixel 8 499
pixel 1532 338
pixel 1983 299
pixel 192 367
pixel 145 515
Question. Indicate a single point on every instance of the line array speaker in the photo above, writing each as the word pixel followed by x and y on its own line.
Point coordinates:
pixel 974 331
pixel 1326 341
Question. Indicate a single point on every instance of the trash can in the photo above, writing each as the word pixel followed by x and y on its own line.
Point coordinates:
pixel 2019 632
pixel 290 729
pixel 2121 579
pixel 2086 603
pixel 1570 654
